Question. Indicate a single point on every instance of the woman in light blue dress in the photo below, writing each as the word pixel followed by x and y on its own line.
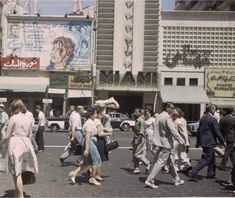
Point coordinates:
pixel 91 155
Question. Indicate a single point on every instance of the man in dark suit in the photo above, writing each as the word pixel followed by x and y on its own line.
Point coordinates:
pixel 227 128
pixel 208 133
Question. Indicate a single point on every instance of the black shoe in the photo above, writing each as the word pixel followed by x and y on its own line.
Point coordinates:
pixel 62 162
pixel 194 178
pixel 210 177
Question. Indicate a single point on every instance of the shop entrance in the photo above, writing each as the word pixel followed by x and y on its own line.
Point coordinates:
pixel 128 101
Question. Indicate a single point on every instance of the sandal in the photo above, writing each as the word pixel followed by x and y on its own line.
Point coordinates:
pixel 72 177
pixel 94 181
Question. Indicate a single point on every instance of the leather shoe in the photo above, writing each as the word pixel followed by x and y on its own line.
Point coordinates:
pixel 194 178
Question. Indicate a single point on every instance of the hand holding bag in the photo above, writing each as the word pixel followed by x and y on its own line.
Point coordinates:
pixel 112 145
pixel 28 177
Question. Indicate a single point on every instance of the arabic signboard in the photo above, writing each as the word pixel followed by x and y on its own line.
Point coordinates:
pixel 220 83
pixel 59 80
pixel 189 57
pixel 21 63
pixel 82 80
pixel 60 45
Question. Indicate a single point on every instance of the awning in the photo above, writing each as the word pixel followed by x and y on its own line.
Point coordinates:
pixel 23 84
pixel 56 91
pixel 79 93
pixel 184 94
pixel 224 103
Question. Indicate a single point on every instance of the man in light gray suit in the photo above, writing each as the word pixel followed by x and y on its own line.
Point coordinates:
pixel 164 132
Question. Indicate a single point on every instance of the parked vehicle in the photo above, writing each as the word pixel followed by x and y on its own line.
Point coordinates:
pixel 192 128
pixel 60 123
pixel 117 118
pixel 127 125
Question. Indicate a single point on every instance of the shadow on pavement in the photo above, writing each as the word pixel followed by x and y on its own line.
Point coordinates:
pixel 11 193
pixel 128 170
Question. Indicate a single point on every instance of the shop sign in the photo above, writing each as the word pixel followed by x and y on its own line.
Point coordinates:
pixel 189 57
pixel 220 83
pixel 20 63
pixel 82 80
pixel 114 77
pixel 47 101
pixel 58 80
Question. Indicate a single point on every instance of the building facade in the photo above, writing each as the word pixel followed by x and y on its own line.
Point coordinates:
pixel 197 50
pixel 127 52
pixel 205 5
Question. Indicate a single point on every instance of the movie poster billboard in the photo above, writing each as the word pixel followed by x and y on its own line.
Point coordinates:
pixel 64 46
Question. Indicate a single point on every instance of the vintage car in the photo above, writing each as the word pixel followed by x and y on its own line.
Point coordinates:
pixel 127 125
pixel 60 123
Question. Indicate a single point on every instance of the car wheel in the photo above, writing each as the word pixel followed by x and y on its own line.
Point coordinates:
pixel 54 127
pixel 125 127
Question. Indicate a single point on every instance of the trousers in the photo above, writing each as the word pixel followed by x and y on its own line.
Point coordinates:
pixel 207 159
pixel 165 157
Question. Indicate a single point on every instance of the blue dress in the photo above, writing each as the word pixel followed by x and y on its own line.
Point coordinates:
pixel 93 157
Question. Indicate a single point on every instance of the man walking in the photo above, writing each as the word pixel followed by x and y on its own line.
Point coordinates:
pixel 75 134
pixel 227 128
pixel 41 128
pixel 163 136
pixel 208 133
pixel 3 121
pixel 139 143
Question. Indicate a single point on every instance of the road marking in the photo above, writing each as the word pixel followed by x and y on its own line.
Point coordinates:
pixel 121 147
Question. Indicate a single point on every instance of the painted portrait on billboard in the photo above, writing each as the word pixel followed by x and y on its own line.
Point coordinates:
pixel 13 31
pixel 60 46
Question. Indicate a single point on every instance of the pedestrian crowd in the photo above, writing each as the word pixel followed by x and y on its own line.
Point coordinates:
pixel 162 136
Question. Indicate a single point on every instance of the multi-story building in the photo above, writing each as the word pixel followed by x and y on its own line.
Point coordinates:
pixel 127 52
pixel 205 5
pixel 197 50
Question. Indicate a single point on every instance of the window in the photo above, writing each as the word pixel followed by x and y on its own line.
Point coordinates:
pixel 168 81
pixel 193 81
pixel 181 81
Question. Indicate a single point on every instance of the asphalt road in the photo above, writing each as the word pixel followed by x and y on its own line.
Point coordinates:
pixel 117 173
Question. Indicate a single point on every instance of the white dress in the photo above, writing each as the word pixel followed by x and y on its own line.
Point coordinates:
pixel 18 154
pixel 149 133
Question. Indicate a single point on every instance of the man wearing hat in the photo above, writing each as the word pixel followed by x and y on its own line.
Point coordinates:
pixel 3 121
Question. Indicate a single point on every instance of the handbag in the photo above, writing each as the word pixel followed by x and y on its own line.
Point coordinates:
pixel 112 145
pixel 28 177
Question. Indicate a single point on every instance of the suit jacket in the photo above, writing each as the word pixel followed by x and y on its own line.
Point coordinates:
pixel 227 127
pixel 165 131
pixel 208 131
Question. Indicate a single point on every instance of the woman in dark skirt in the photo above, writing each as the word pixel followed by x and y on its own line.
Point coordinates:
pixel 101 136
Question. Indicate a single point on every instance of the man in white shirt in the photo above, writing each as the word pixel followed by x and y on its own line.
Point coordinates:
pixel 75 127
pixel 3 120
pixel 41 129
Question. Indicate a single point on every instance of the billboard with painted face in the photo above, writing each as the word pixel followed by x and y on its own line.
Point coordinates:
pixel 62 46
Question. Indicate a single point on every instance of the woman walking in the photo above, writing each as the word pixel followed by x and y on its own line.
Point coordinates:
pixel 90 154
pixel 17 154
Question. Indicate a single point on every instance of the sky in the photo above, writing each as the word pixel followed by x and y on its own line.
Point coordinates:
pixel 60 7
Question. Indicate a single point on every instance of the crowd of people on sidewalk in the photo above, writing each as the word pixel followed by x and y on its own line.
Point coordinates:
pixel 164 136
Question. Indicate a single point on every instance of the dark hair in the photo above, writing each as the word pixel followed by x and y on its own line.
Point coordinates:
pixel 91 112
pixel 38 107
pixel 167 105
pixel 17 106
pixel 180 112
pixel 140 110
pixel 99 110
pixel 228 110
